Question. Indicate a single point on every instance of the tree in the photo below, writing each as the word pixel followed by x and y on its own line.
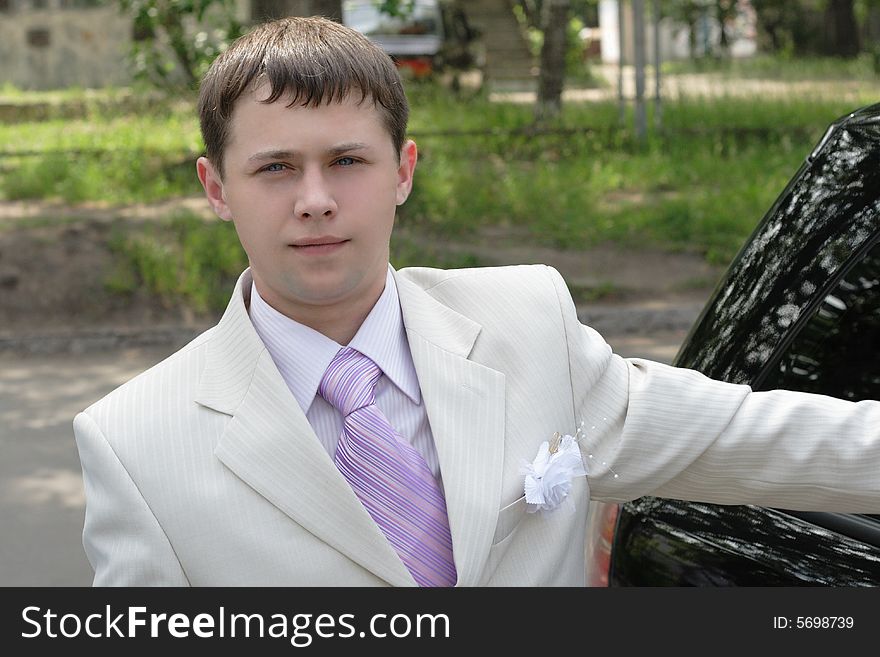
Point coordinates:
pixel 690 12
pixel 552 76
pixel 588 10
pixel 773 18
pixel 176 40
pixel 262 10
pixel 693 13
pixel 725 12
pixel 816 27
pixel 843 33
pixel 328 8
pixel 396 7
pixel 531 11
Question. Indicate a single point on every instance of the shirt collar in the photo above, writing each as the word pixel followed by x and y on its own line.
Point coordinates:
pixel 303 354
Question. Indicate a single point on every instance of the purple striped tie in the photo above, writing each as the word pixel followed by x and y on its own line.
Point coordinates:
pixel 390 478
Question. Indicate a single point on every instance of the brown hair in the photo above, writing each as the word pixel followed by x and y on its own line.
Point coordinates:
pixel 311 61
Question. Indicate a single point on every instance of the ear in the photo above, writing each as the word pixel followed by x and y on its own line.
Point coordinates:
pixel 408 156
pixel 211 181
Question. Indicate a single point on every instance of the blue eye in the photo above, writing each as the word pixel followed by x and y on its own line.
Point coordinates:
pixel 274 167
pixel 345 161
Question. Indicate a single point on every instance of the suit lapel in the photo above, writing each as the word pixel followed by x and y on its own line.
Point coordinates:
pixel 270 445
pixel 465 402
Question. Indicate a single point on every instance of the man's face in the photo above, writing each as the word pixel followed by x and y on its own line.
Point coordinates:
pixel 313 193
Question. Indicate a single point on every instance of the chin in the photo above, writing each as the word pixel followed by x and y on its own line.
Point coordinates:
pixel 325 293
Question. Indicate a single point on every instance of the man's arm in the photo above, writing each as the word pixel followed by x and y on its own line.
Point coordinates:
pixel 123 540
pixel 698 439
pixel 652 429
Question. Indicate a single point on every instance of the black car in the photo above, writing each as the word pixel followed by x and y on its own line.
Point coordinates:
pixel 799 308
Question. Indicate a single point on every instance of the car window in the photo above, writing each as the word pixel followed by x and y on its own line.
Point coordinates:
pixel 836 351
pixel 826 215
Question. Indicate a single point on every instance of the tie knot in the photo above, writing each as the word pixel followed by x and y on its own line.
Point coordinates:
pixel 349 381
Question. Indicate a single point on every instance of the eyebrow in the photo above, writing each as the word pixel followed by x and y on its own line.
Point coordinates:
pixel 281 154
pixel 347 148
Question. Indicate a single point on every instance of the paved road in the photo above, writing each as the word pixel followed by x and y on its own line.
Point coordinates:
pixel 41 494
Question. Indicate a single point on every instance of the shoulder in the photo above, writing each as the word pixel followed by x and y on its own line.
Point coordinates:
pixel 429 277
pixel 520 284
pixel 166 383
pixel 510 302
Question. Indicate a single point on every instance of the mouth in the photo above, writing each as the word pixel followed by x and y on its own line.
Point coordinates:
pixel 325 244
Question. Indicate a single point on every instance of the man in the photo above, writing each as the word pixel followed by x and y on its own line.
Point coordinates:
pixel 349 424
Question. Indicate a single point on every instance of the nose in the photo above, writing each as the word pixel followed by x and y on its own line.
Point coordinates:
pixel 315 198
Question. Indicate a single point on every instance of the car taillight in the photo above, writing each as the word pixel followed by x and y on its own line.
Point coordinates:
pixel 600 536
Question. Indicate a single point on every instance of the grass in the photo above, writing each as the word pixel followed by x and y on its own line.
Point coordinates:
pixel 863 67
pixel 113 158
pixel 181 258
pixel 700 184
pixel 20 106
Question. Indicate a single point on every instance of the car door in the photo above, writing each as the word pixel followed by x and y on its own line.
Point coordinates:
pixel 798 309
pixel 832 350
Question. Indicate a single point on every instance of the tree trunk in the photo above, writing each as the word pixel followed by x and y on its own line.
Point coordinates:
pixel 843 32
pixel 725 11
pixel 533 19
pixel 171 20
pixel 771 17
pixel 552 77
pixel 263 10
pixel 872 25
pixel 327 8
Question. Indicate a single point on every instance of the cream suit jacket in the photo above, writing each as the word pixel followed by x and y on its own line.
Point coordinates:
pixel 204 470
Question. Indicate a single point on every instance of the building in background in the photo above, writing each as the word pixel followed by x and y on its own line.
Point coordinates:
pixel 57 44
pixel 676 39
pixel 51 44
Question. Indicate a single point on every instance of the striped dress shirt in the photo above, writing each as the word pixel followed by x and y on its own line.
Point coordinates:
pixel 303 354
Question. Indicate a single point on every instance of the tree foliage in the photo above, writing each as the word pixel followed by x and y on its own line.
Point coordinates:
pixel 176 40
pixel 812 27
pixel 396 7
pixel 790 27
pixel 693 12
pixel 532 11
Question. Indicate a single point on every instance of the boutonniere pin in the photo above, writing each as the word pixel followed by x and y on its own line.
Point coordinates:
pixel 548 477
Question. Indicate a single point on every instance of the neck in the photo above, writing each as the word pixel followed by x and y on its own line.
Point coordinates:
pixel 338 325
pixel 337 321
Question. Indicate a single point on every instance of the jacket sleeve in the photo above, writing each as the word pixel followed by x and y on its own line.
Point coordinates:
pixel 123 540
pixel 652 429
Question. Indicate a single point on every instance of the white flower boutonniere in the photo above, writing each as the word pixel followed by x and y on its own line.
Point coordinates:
pixel 548 477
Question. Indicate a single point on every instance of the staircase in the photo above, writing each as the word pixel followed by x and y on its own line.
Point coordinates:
pixel 509 65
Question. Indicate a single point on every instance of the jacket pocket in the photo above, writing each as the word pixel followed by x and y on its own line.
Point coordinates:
pixel 508 518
